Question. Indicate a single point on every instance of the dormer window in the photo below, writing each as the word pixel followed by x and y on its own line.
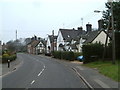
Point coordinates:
pixel 68 36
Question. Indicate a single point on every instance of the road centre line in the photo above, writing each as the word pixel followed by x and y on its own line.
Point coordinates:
pixel 32 82
pixel 39 73
pixel 43 69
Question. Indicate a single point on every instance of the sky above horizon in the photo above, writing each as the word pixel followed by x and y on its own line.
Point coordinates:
pixel 40 17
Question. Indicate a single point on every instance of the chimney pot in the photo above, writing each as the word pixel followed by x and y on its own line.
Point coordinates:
pixel 100 24
pixel 89 27
pixel 80 28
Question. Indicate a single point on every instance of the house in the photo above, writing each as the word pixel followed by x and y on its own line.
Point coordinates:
pixel 31 47
pixel 36 47
pixel 95 36
pixel 40 47
pixel 51 43
pixel 73 40
pixel 68 38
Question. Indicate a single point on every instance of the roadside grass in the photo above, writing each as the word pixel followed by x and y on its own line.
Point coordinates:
pixel 106 68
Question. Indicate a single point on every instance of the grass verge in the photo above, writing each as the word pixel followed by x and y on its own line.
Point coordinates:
pixel 106 68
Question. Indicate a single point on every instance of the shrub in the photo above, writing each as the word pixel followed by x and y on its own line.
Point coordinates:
pixel 92 52
pixel 117 44
pixel 6 57
pixel 64 55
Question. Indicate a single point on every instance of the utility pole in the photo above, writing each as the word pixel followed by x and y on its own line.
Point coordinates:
pixel 16 35
pixel 16 42
pixel 53 39
pixel 113 33
pixel 82 22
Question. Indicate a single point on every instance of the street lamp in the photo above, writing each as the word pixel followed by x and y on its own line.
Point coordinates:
pixel 97 11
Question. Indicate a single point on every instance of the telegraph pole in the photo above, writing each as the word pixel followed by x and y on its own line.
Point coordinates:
pixel 113 33
pixel 82 22
pixel 53 40
pixel 16 35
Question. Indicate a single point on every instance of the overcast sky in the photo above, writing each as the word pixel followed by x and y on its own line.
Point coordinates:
pixel 40 17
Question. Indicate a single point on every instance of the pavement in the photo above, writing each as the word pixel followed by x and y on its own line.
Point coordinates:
pixel 13 66
pixel 92 76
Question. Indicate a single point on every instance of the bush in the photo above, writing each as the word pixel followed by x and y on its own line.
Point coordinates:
pixel 6 57
pixel 117 44
pixel 92 52
pixel 64 55
pixel 57 54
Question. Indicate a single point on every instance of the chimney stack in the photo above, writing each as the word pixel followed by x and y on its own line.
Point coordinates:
pixel 100 24
pixel 89 27
pixel 80 28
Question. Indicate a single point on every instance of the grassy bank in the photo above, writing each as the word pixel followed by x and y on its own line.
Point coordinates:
pixel 106 68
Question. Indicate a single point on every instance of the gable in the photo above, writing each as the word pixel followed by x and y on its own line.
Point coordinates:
pixel 101 37
pixel 60 37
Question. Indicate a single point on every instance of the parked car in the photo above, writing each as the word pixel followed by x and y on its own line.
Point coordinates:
pixel 80 58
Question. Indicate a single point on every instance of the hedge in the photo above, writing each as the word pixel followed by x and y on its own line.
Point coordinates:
pixel 67 55
pixel 117 44
pixel 6 57
pixel 92 52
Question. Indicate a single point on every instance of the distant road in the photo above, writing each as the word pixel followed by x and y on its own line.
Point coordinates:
pixel 41 72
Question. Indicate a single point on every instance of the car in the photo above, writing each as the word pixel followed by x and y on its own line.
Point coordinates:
pixel 80 58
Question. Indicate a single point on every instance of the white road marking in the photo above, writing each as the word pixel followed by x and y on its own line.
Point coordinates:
pixel 44 66
pixel 42 69
pixel 39 73
pixel 102 84
pixel 32 81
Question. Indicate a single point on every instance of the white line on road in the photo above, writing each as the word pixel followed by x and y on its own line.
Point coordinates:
pixel 32 81
pixel 43 69
pixel 39 73
pixel 101 83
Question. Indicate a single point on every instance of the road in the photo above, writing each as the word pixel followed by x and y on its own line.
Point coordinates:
pixel 42 72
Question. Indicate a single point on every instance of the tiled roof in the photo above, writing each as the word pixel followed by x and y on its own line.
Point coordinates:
pixel 90 36
pixel 34 43
pixel 51 38
pixel 69 34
